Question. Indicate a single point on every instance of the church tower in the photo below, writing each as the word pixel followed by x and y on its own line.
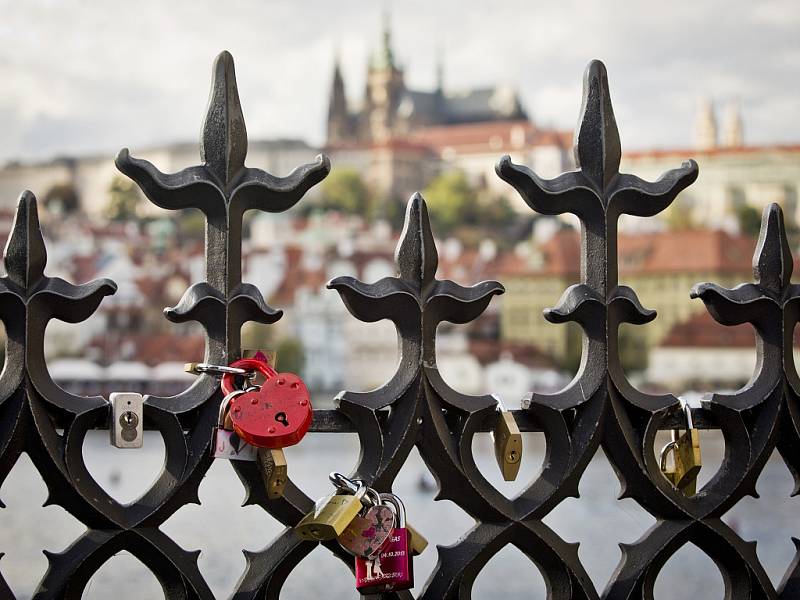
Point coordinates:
pixel 385 87
pixel 732 136
pixel 339 126
pixel 705 126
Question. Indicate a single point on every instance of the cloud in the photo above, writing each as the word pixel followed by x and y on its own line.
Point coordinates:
pixel 95 76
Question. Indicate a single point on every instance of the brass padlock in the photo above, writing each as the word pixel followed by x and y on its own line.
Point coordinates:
pixel 507 442
pixel 686 458
pixel 331 515
pixel 418 541
pixel 274 471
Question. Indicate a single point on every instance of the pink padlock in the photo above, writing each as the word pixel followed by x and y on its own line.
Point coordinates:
pixel 392 570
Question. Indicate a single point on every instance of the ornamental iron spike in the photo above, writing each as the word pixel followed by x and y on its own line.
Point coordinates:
pixel 416 255
pixel 772 262
pixel 25 255
pixel 597 146
pixel 223 145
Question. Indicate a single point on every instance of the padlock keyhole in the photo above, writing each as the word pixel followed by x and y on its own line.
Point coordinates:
pixel 281 418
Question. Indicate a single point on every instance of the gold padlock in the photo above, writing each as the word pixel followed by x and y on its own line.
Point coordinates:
pixel 274 471
pixel 418 541
pixel 686 458
pixel 330 516
pixel 507 442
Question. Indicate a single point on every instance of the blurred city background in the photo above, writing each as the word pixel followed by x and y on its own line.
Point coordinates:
pixel 402 98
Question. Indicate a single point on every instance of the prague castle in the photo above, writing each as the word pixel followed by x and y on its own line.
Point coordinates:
pixel 392 110
pixel 398 139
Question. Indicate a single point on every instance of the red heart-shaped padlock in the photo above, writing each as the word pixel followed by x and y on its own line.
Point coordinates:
pixel 276 416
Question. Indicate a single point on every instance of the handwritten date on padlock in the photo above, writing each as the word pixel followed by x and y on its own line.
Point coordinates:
pixel 276 416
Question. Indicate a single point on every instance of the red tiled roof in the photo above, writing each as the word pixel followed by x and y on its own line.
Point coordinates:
pixel 702 331
pixel 472 133
pixel 406 144
pixel 296 277
pixel 489 351
pixel 153 348
pixel 699 153
pixel 686 251
pixel 491 136
pixel 689 251
pixel 560 255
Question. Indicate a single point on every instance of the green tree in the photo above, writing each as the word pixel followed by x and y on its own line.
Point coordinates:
pixel 62 199
pixel 451 201
pixel 571 360
pixel 192 223
pixel 123 200
pixel 345 191
pixel 290 355
pixel 257 336
pixel 633 350
pixel 679 217
pixel 749 220
pixel 497 212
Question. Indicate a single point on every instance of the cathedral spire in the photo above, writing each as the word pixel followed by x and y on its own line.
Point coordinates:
pixel 440 71
pixel 338 118
pixel 384 56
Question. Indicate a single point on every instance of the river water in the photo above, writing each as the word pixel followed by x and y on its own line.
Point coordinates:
pixel 220 528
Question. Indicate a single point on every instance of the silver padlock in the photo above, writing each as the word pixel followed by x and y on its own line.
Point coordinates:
pixel 127 419
pixel 225 443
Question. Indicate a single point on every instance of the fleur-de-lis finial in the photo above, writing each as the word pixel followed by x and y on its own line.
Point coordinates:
pixel 416 256
pixel 772 269
pixel 223 144
pixel 416 301
pixel 597 146
pixel 35 300
pixel 25 254
pixel 223 175
pixel 772 261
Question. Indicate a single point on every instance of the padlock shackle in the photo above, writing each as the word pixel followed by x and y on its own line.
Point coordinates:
pixel 687 411
pixel 250 365
pixel 343 483
pixel 668 447
pixel 399 508
pixel 223 406
pixel 220 370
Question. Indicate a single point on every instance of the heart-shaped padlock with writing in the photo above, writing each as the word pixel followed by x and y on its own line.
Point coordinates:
pixel 368 533
pixel 275 416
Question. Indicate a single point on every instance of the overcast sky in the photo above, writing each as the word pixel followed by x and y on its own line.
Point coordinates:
pixel 82 77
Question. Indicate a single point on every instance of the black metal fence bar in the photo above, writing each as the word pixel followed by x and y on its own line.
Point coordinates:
pixel 416 408
pixel 333 421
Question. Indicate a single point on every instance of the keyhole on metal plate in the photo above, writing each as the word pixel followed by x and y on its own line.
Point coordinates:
pixel 281 418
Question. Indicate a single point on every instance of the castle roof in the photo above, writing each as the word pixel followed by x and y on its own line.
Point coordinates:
pixel 481 105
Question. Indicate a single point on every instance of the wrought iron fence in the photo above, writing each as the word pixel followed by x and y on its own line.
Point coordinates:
pixel 416 408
